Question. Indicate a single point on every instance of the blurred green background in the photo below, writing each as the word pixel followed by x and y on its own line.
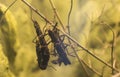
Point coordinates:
pixel 88 24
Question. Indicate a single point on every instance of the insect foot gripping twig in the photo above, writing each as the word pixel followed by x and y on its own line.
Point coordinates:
pixel 54 35
pixel 42 50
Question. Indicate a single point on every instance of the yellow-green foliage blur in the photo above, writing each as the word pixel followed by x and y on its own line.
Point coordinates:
pixel 92 24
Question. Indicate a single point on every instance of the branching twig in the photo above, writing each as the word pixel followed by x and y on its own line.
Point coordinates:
pixel 112 48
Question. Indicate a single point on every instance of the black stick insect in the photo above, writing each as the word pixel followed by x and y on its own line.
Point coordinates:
pixel 42 50
pixel 59 46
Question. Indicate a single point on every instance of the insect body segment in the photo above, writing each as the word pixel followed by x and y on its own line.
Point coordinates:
pixel 59 47
pixel 42 50
pixel 39 33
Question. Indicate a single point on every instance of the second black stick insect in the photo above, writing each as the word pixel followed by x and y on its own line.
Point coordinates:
pixel 42 50
pixel 59 46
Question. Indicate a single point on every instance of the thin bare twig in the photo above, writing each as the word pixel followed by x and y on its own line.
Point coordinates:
pixel 69 14
pixel 116 75
pixel 80 60
pixel 114 63
pixel 35 10
pixel 93 70
pixel 83 66
pixel 103 69
pixel 112 47
pixel 10 6
pixel 98 18
pixel 56 13
pixel 7 10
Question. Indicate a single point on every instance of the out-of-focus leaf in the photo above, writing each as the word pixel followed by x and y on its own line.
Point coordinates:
pixel 8 34
pixel 4 65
